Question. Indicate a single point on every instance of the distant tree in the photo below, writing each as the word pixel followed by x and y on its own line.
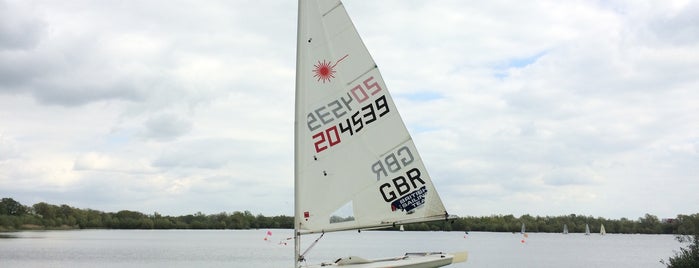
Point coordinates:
pixel 239 221
pixel 687 224
pixel 45 210
pixel 160 222
pixel 626 226
pixel 335 219
pixel 649 225
pixel 9 206
pixel 459 225
pixel 132 220
pixel 91 219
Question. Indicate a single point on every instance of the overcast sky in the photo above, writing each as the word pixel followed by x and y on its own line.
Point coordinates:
pixel 517 107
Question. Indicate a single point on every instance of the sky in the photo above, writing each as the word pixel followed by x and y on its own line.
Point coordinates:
pixel 177 107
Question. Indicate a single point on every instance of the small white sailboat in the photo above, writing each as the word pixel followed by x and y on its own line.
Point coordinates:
pixel 602 231
pixel 565 229
pixel 353 154
pixel 587 229
pixel 523 229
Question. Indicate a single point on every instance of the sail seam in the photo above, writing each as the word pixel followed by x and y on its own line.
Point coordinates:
pixel 331 10
pixel 394 147
pixel 360 76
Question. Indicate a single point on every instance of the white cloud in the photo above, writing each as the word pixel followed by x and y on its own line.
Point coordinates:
pixel 166 127
pixel 548 108
pixel 100 162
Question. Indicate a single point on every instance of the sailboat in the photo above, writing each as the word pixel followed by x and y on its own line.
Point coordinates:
pixel 587 229
pixel 565 229
pixel 602 231
pixel 352 151
pixel 523 229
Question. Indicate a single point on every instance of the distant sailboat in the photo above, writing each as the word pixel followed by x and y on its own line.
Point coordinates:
pixel 523 229
pixel 401 228
pixel 565 229
pixel 601 230
pixel 587 229
pixel 353 154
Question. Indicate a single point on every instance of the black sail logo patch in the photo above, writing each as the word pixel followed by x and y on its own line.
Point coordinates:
pixel 410 201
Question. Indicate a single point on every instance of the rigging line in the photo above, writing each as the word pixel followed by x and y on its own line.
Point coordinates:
pixel 302 258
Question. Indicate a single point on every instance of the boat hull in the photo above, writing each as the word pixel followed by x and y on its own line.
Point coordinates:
pixel 410 260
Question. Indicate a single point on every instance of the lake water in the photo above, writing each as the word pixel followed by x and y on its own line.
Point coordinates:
pixel 248 248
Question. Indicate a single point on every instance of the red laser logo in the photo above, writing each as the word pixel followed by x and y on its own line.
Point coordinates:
pixel 324 71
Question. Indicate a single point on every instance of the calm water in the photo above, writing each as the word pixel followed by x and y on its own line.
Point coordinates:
pixel 247 248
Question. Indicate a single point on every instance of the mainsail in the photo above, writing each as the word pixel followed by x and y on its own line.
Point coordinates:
pixel 353 153
pixel 356 166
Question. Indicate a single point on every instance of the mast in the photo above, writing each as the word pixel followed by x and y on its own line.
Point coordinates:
pixel 297 110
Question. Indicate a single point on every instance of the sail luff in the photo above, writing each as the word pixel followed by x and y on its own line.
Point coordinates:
pixel 298 103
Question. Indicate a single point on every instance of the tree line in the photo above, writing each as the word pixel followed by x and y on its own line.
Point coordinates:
pixel 648 224
pixel 15 216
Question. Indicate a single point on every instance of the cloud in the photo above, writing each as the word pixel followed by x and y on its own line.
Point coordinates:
pixel 166 127
pixel 100 162
pixel 8 148
pixel 540 107
pixel 57 67
pixel 213 154
pixel 679 26
pixel 20 33
pixel 570 176
pixel 19 28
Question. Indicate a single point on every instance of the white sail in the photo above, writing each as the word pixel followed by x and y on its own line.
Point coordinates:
pixel 354 158
pixel 587 229
pixel 565 229
pixel 523 229
pixel 356 166
pixel 602 231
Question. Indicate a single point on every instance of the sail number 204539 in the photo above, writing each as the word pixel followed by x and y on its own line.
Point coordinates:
pixel 346 122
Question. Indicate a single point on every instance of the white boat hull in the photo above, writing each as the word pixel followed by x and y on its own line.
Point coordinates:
pixel 417 260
